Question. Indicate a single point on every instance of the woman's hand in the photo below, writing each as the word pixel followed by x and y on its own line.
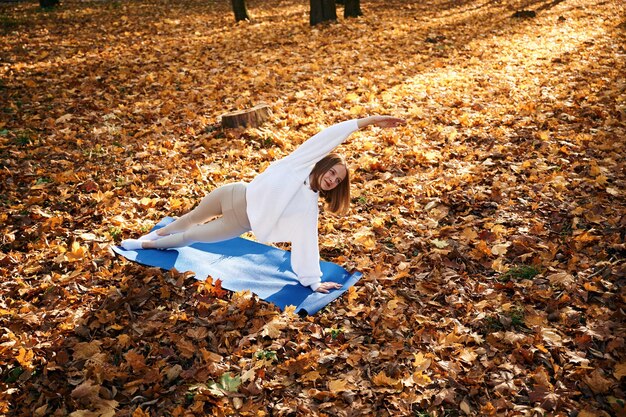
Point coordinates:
pixel 327 286
pixel 381 121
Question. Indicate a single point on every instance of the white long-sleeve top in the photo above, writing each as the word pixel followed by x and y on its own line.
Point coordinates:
pixel 282 207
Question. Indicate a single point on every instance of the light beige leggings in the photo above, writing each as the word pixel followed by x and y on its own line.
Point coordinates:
pixel 227 201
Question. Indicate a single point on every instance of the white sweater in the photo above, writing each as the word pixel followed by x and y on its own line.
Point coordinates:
pixel 283 208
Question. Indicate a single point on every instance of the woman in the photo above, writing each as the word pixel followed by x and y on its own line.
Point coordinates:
pixel 279 205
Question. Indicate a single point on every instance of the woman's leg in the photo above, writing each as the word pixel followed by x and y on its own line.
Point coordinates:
pixel 231 202
pixel 217 230
pixel 209 207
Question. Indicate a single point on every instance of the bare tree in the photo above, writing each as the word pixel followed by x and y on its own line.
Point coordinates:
pixel 240 10
pixel 322 11
pixel 352 8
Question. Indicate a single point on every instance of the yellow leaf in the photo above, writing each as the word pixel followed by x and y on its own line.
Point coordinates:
pixel 84 413
pixel 469 234
pixel 249 375
pixel 498 229
pixel 468 355
pixel 352 97
pixel 365 238
pixel 450 132
pixel 550 335
pixel 147 202
pixel 620 370
pixel 176 203
pixel 421 379
pixel 393 304
pixel 561 278
pixel 290 310
pixel 381 379
pixel 310 376
pixel 613 191
pixel 439 243
pixel 272 329
pixel 420 362
pixel 378 222
pixel 64 118
pixel 337 385
pixel 368 146
pixel 500 249
pixel 465 407
pixel 85 350
pixel 357 110
pixel 76 253
pixel 25 357
pixel 500 265
pixel 86 236
pixel 41 411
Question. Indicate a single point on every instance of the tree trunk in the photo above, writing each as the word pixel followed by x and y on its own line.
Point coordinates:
pixel 240 10
pixel 322 11
pixel 247 118
pixel 352 8
pixel 48 3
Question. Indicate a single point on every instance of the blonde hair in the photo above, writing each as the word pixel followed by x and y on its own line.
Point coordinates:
pixel 337 199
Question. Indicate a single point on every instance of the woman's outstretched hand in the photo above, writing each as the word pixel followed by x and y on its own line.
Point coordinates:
pixel 381 121
pixel 327 286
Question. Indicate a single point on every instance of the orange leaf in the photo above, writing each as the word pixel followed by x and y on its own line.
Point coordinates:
pixel 135 360
pixel 25 357
pixel 590 286
pixel 76 253
pixel 217 289
pixel 140 413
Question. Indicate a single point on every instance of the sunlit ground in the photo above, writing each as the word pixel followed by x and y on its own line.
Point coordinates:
pixel 512 155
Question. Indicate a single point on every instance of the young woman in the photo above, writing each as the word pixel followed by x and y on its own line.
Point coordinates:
pixel 279 205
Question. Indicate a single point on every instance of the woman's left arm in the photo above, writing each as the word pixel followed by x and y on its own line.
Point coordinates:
pixel 380 121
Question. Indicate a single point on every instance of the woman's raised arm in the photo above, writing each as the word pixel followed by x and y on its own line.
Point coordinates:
pixel 380 121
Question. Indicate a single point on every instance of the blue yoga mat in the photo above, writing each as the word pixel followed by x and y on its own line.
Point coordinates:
pixel 242 264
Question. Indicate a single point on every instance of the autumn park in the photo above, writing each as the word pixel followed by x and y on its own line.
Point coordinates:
pixel 489 229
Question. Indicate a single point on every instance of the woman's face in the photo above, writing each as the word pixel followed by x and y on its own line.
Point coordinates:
pixel 333 177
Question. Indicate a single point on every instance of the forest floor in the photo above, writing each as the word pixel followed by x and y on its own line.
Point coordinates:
pixel 490 229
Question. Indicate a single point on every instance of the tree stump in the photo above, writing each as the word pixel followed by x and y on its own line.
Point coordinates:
pixel 252 117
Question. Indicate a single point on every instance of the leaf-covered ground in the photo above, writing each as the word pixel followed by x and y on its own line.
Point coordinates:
pixel 490 230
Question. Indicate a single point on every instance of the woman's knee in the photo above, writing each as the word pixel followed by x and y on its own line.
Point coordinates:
pixel 210 206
